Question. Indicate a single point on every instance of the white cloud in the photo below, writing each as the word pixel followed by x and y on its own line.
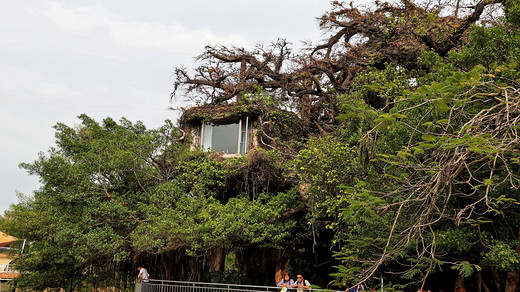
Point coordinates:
pixel 82 20
pixel 53 91
pixel 43 90
pixel 114 58
pixel 97 23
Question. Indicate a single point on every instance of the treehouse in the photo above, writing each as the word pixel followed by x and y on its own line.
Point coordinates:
pixel 227 129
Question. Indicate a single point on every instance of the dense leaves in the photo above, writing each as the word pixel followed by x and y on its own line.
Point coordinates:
pixel 397 161
pixel 113 193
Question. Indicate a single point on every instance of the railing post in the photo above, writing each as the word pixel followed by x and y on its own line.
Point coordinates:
pixel 178 286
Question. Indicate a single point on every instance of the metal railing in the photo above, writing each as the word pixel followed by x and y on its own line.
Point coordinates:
pixel 177 286
pixel 7 269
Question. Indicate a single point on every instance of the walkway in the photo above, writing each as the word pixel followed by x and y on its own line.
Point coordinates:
pixel 178 286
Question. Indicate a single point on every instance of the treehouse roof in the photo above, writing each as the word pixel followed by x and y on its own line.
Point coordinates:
pixel 212 112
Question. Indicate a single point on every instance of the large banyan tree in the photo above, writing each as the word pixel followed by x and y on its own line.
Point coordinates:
pixel 413 168
pixel 386 151
pixel 310 80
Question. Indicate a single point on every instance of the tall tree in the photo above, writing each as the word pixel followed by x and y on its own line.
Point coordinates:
pixel 405 162
pixel 448 154
pixel 92 185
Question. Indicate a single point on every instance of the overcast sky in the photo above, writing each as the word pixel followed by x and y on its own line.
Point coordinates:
pixel 114 58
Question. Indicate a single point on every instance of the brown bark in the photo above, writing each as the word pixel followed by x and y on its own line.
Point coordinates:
pixel 485 287
pixel 496 280
pixel 512 281
pixel 245 264
pixel 195 272
pixel 513 278
pixel 282 262
pixel 459 282
pixel 304 78
pixel 215 259
pixel 257 265
pixel 481 285
pixel 168 265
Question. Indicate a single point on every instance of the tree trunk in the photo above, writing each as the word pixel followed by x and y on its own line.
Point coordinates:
pixel 195 265
pixel 215 259
pixel 281 264
pixel 257 265
pixel 513 278
pixel 214 262
pixel 512 281
pixel 179 264
pixel 246 263
pixel 168 265
pixel 249 262
pixel 496 280
pixel 479 281
pixel 459 282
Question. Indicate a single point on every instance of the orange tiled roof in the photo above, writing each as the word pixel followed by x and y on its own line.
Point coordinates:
pixel 8 275
pixel 5 239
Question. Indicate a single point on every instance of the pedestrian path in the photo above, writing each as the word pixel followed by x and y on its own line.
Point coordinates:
pixel 177 286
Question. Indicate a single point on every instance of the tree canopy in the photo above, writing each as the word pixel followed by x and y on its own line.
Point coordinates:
pixel 390 151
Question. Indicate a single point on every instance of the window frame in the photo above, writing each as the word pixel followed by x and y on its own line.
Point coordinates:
pixel 243 140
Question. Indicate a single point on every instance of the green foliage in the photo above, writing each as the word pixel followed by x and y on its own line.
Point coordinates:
pixel 455 241
pixel 379 88
pixel 113 191
pixel 432 68
pixel 503 257
pixel 200 222
pixel 488 47
pixel 93 183
pixel 466 269
pixel 200 174
pixel 512 12
pixel 447 151
pixel 417 175
pixel 323 166
pixel 356 117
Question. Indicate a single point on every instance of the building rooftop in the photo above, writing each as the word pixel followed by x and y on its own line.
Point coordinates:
pixel 6 240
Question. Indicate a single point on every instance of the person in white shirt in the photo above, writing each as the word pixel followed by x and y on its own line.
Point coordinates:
pixel 301 284
pixel 143 275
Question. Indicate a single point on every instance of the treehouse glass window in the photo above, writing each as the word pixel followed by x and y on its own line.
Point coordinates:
pixel 230 138
pixel 243 136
